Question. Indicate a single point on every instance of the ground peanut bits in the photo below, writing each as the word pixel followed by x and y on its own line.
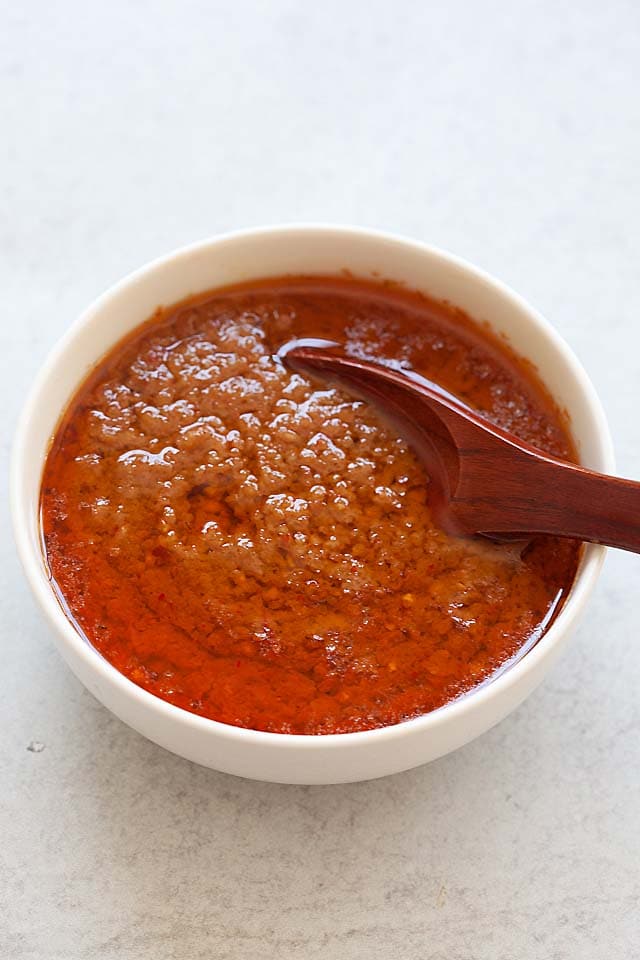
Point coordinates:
pixel 257 548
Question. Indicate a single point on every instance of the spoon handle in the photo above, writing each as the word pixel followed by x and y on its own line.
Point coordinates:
pixel 560 498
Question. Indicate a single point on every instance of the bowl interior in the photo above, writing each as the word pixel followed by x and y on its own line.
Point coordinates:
pixel 273 252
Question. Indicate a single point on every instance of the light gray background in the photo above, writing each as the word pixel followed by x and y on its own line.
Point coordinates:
pixel 508 132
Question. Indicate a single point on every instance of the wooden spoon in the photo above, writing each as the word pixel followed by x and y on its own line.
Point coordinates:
pixel 485 480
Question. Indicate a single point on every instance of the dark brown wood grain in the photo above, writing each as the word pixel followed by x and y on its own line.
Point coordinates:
pixel 485 480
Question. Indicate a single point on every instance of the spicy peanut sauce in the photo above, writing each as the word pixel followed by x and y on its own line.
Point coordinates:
pixel 258 548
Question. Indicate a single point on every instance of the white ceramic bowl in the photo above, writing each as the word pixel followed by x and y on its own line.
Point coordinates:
pixel 275 251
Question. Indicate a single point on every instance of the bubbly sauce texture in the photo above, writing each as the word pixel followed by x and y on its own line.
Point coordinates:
pixel 257 548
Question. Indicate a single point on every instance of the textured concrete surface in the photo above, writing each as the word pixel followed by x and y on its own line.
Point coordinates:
pixel 507 132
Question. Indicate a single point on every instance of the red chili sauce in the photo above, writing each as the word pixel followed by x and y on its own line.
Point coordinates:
pixel 258 548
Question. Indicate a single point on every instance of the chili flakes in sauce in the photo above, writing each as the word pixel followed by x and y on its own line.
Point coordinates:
pixel 257 548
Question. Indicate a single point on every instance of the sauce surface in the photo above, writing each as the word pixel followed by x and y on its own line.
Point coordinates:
pixel 257 548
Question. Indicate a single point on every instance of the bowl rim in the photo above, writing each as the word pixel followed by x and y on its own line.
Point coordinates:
pixel 35 570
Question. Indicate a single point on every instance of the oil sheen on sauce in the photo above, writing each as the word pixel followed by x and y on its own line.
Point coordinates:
pixel 258 548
